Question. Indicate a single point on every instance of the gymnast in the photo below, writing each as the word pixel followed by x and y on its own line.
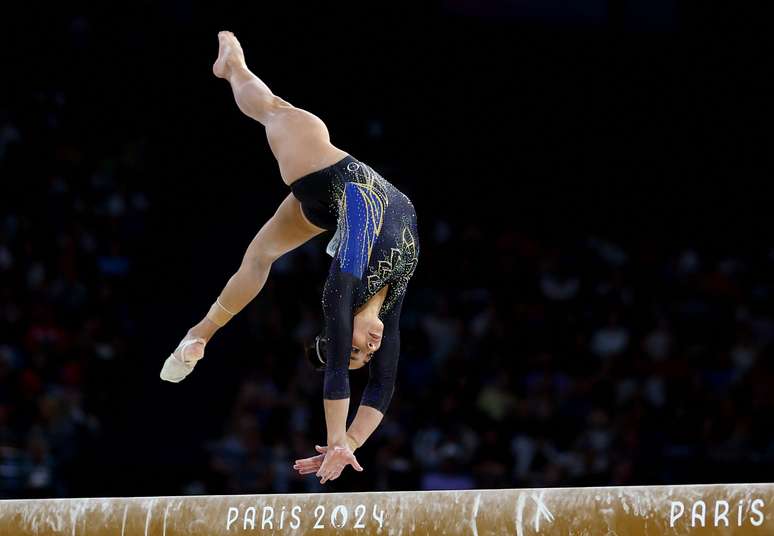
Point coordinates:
pixel 374 248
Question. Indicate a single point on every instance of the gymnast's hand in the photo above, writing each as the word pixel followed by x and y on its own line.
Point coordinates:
pixel 335 460
pixel 329 464
pixel 312 464
pixel 306 466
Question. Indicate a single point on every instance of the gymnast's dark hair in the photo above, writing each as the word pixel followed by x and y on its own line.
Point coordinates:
pixel 315 352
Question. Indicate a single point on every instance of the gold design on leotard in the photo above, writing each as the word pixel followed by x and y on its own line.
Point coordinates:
pixel 395 269
pixel 399 262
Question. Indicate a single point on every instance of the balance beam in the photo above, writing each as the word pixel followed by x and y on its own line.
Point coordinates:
pixel 733 509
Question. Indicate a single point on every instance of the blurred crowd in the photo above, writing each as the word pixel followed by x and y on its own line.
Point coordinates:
pixel 69 229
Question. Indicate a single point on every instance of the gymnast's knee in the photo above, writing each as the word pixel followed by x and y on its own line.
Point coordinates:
pixel 271 103
pixel 259 263
pixel 261 105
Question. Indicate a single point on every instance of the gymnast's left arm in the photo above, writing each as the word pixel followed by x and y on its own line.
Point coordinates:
pixel 382 374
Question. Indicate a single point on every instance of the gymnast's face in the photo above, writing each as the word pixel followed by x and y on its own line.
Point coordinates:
pixel 366 339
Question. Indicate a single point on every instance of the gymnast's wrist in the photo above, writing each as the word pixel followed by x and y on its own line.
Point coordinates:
pixel 344 441
pixel 338 440
pixel 352 443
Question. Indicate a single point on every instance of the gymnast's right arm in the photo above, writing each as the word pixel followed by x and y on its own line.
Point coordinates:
pixel 337 308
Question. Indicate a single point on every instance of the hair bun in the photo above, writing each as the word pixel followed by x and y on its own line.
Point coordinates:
pixel 315 353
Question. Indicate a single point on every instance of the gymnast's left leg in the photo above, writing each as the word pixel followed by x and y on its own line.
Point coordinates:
pixel 283 232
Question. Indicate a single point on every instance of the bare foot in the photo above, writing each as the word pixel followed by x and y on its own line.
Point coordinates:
pixel 229 55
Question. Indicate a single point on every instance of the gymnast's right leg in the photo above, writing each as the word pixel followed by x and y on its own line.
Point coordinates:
pixel 301 144
pixel 298 139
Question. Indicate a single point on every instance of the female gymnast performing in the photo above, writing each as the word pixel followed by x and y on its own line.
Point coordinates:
pixel 374 249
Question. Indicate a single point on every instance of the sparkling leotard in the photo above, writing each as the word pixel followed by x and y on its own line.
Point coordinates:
pixel 375 244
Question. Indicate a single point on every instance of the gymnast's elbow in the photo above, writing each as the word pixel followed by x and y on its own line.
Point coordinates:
pixel 379 399
pixel 336 384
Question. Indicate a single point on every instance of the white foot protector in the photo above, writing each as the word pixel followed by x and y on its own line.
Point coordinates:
pixel 176 368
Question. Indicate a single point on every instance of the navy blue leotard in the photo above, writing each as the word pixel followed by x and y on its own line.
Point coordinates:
pixel 375 244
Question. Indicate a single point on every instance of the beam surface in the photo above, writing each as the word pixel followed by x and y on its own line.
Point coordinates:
pixel 733 509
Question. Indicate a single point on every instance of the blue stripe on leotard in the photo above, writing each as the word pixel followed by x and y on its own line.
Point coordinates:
pixel 363 211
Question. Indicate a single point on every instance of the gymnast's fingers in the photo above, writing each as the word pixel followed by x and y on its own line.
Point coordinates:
pixel 314 461
pixel 336 474
pixel 355 465
pixel 310 466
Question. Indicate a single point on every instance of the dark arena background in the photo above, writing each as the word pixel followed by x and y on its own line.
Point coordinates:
pixel 593 309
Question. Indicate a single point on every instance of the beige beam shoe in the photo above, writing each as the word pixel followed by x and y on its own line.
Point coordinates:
pixel 179 364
